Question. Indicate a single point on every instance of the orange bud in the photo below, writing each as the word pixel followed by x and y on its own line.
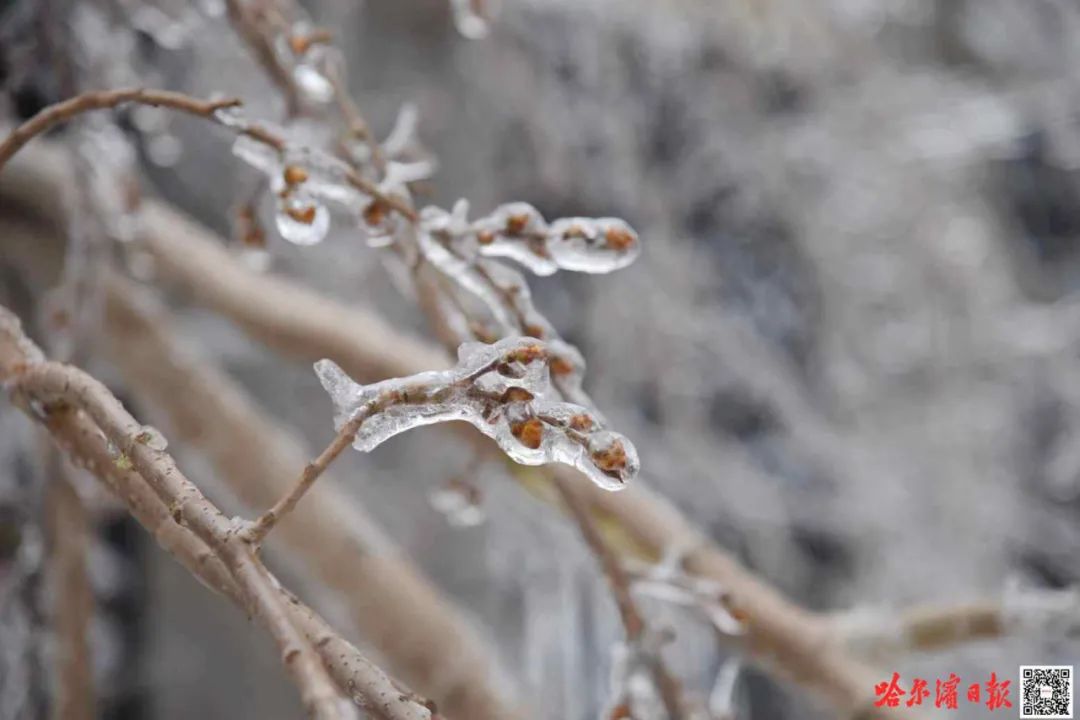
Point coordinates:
pixel 618 238
pixel 305 215
pixel 516 223
pixel 299 44
pixel 375 213
pixel 516 394
pixel 581 422
pixel 611 458
pixel 526 354
pixel 294 175
pixel 529 433
pixel 485 237
pixel 561 366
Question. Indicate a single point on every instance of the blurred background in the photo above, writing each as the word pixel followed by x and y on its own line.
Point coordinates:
pixel 850 350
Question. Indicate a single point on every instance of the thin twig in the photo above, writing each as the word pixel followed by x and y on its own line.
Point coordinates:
pixel 103 100
pixel 632 619
pixel 248 26
pixel 257 531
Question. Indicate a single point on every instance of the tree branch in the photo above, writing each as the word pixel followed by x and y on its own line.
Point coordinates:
pixel 366 683
pixel 102 100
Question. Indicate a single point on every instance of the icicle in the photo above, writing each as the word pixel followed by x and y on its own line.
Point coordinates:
pixel 315 86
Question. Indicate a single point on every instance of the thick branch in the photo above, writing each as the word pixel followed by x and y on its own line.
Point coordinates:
pixel 365 682
pixel 49 387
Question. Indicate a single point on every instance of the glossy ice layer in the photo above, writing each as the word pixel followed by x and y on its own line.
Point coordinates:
pixel 505 391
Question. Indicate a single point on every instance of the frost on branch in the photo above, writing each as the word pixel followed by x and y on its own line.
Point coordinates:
pixel 505 391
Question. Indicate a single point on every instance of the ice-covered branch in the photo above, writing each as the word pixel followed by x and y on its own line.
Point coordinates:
pixel 504 391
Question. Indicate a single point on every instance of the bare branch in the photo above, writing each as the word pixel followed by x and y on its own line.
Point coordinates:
pixel 258 530
pixel 46 388
pixel 365 682
pixel 103 100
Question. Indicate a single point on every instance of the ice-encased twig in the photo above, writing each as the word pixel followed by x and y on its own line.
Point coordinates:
pixel 505 391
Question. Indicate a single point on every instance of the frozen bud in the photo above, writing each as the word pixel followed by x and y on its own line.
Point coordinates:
pixel 529 433
pixel 301 220
pixel 294 175
pixel 613 455
pixel 469 18
pixel 503 390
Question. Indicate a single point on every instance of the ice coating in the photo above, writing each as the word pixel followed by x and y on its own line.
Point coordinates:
pixel 301 220
pixel 471 24
pixel 588 245
pixel 518 231
pixel 505 391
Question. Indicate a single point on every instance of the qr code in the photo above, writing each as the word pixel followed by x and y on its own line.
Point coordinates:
pixel 1047 691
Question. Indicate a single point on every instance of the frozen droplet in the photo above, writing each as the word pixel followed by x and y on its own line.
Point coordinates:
pixel 588 245
pixel 613 458
pixel 231 117
pixel 471 24
pixel 301 220
pixel 152 438
pixel 164 149
pixel 315 86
